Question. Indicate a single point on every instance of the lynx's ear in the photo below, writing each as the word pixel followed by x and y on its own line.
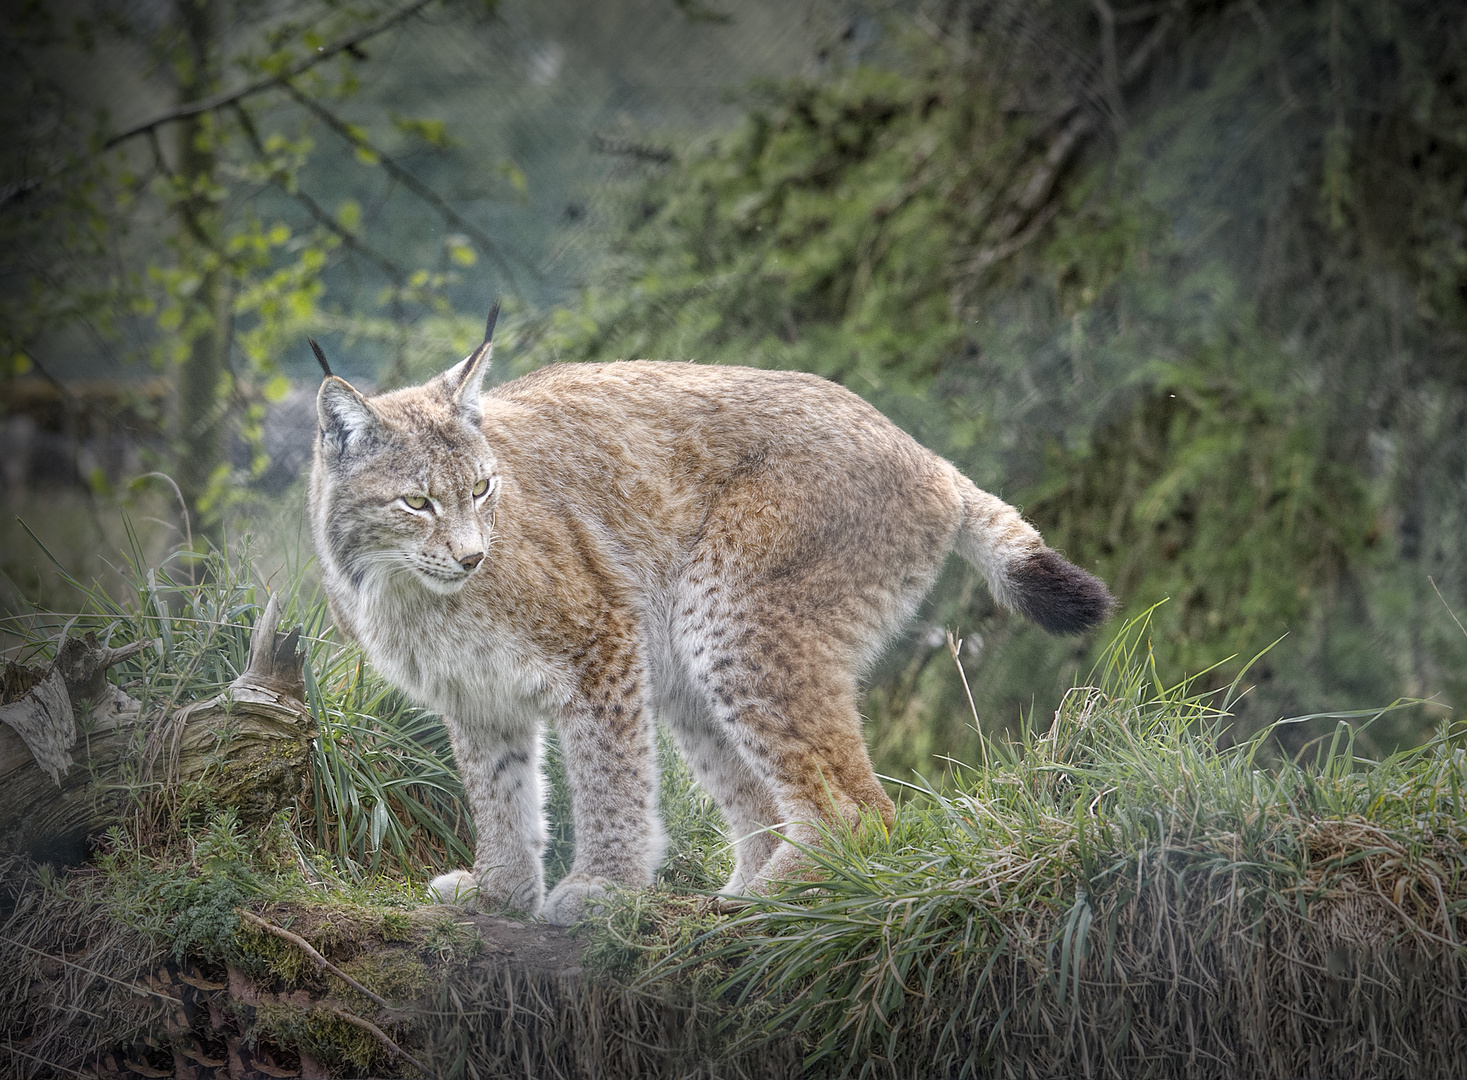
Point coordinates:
pixel 465 381
pixel 346 419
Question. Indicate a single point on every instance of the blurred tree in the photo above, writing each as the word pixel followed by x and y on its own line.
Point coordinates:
pixel 171 236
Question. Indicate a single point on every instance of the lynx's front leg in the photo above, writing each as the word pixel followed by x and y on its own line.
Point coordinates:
pixel 501 775
pixel 611 766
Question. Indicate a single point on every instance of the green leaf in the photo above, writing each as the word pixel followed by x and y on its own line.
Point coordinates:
pixel 431 131
pixel 460 251
pixel 349 213
pixel 276 388
pixel 516 177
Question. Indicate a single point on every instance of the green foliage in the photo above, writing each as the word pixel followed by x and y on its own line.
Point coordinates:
pixel 197 614
pixel 385 795
pixel 1202 342
pixel 699 855
pixel 1221 488
pixel 190 904
pixel 193 243
pixel 761 249
pixel 1067 879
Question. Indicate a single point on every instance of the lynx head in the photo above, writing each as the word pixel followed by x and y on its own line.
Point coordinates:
pixel 405 485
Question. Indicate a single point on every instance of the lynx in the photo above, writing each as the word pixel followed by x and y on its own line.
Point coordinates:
pixel 595 545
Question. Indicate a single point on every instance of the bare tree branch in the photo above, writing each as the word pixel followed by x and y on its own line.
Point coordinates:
pixel 326 965
pixel 190 219
pixel 1033 194
pixel 1271 50
pixel 1002 250
pixel 320 214
pixel 1110 66
pixel 1141 13
pixel 607 144
pixel 409 181
pixel 1029 210
pixel 310 950
pixel 229 97
pixel 348 44
pixel 377 1033
pixel 1136 63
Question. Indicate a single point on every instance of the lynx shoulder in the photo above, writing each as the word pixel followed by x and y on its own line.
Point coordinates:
pixel 592 546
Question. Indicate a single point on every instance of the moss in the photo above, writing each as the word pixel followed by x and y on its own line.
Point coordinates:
pixel 260 953
pixel 446 937
pixel 395 954
pixel 396 926
pixel 399 975
pixel 325 1037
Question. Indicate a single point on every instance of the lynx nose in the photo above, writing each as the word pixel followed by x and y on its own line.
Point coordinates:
pixel 473 559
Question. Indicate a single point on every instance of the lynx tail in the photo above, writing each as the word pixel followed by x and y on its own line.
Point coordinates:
pixel 1023 574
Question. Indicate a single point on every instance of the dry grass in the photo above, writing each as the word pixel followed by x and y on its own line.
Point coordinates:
pixel 76 981
pixel 497 1021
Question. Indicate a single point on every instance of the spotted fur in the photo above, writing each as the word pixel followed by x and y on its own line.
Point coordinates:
pixel 724 548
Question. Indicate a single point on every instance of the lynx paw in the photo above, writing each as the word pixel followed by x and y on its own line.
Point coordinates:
pixel 741 882
pixel 491 892
pixel 728 905
pixel 789 866
pixel 576 897
pixel 458 887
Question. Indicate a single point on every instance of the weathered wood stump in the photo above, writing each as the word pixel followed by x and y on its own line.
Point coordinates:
pixel 72 744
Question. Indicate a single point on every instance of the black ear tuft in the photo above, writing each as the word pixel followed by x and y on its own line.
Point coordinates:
pixel 320 357
pixel 489 323
pixel 1058 595
pixel 465 380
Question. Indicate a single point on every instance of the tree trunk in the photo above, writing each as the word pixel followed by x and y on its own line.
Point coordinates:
pixel 72 745
pixel 207 324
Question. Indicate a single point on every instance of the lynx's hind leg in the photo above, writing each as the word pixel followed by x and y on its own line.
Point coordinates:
pixel 782 744
pixel 805 740
pixel 745 800
pixel 798 580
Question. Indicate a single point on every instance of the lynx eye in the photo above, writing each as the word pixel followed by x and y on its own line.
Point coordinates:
pixel 415 502
pixel 481 488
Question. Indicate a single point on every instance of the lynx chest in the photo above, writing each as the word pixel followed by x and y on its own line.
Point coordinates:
pixel 470 668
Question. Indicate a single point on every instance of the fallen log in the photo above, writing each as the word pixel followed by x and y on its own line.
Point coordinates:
pixel 72 744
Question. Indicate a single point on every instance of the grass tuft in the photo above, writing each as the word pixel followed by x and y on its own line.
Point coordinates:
pixel 385 796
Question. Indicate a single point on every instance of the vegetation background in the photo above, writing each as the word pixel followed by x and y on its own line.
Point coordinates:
pixel 1187 281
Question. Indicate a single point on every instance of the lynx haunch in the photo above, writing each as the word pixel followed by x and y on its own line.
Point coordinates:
pixel 595 545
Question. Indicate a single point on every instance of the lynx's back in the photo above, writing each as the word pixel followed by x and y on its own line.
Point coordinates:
pixel 591 545
pixel 809 470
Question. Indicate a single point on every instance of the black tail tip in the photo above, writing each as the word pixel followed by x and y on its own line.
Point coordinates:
pixel 1058 595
